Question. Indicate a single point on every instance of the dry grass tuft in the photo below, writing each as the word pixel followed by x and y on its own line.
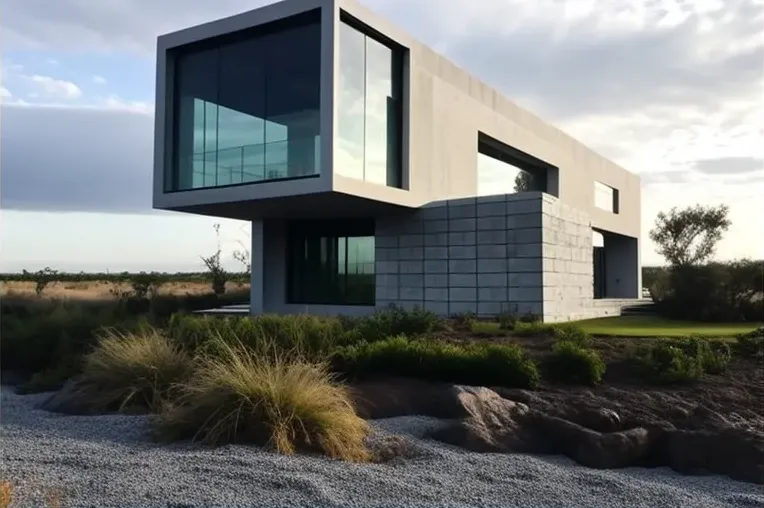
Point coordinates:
pixel 238 397
pixel 6 494
pixel 133 370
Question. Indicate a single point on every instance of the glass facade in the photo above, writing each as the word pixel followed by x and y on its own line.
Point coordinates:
pixel 369 112
pixel 247 109
pixel 331 262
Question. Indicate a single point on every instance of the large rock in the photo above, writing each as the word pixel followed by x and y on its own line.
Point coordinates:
pixel 489 423
pixel 406 397
pixel 70 399
pixel 738 454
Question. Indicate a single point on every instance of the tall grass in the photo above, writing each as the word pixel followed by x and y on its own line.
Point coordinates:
pixel 132 370
pixel 289 405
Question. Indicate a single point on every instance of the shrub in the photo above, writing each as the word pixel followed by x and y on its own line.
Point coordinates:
pixel 239 397
pixel 507 320
pixel 395 321
pixel 667 363
pixel 713 292
pixel 532 329
pixel 472 363
pixel 464 320
pixel 712 355
pixel 751 344
pixel 572 363
pixel 571 333
pixel 43 336
pixel 132 370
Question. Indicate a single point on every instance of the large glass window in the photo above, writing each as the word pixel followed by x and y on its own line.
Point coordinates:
pixel 331 263
pixel 369 121
pixel 247 109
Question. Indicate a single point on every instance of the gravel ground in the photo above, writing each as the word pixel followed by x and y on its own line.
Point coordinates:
pixel 108 461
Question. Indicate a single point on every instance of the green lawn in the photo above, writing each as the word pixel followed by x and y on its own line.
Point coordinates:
pixel 655 326
pixel 641 326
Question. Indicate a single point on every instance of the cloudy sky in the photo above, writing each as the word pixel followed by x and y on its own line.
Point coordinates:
pixel 670 89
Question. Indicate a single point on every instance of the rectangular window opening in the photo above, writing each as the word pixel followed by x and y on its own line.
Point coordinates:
pixel 502 169
pixel 606 197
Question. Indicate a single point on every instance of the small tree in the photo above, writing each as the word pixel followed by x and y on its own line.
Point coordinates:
pixel 41 278
pixel 217 272
pixel 688 237
pixel 523 182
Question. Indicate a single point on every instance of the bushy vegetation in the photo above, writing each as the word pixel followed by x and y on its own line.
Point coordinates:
pixel 718 292
pixel 685 360
pixel 567 332
pixel 471 363
pixel 393 321
pixel 241 397
pixel 135 370
pixel 751 345
pixel 572 363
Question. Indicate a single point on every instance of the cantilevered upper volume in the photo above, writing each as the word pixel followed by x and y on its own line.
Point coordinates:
pixel 319 109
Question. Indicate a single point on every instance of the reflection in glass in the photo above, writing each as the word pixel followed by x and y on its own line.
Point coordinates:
pixel 330 264
pixel 369 109
pixel 248 111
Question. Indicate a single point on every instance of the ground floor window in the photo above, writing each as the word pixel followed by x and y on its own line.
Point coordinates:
pixel 331 262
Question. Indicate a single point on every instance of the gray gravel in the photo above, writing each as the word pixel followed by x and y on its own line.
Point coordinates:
pixel 108 461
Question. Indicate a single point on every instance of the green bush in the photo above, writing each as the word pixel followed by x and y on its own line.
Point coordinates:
pixel 751 344
pixel 393 321
pixel 464 320
pixel 714 292
pixel 569 332
pixel 507 320
pixel 712 355
pixel 532 329
pixel 472 364
pixel 572 363
pixel 667 362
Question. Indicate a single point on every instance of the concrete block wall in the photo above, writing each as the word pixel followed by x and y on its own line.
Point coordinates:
pixel 482 255
pixel 567 251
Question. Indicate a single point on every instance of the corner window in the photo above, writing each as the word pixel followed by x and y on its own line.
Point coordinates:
pixel 246 107
pixel 605 197
pixel 369 113
pixel 331 262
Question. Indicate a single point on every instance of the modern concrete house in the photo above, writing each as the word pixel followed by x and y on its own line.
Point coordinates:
pixel 376 172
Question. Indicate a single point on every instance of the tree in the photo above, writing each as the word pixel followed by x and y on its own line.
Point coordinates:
pixel 688 237
pixel 523 181
pixel 218 274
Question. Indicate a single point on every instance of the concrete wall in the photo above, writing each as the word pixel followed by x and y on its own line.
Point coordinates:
pixel 481 255
pixel 447 107
pixel 568 262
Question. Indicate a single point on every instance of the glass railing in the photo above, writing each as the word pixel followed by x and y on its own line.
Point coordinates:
pixel 293 158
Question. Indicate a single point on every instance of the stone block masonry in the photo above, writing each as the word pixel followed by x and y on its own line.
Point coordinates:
pixel 483 255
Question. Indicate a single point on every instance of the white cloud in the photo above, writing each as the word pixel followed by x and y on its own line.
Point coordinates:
pixel 670 89
pixel 55 88
pixel 99 80
pixel 5 93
